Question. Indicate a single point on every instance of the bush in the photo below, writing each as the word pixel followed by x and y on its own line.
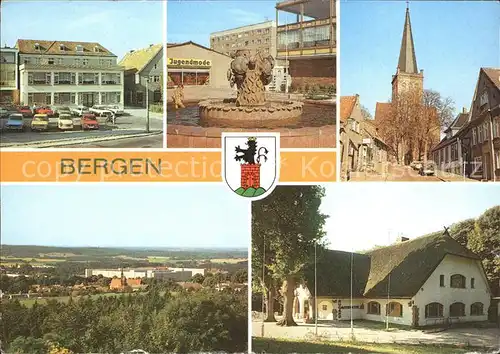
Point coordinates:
pixel 156 108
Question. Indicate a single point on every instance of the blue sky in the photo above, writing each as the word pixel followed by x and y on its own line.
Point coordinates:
pixel 117 25
pixel 132 215
pixel 195 20
pixel 453 39
pixel 363 215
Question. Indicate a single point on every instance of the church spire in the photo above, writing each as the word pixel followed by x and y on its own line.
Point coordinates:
pixel 407 60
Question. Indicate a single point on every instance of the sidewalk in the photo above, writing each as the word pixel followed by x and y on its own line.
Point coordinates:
pixel 452 177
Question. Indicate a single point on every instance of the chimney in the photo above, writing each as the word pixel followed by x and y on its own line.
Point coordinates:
pixel 402 239
pixel 151 45
pixel 464 110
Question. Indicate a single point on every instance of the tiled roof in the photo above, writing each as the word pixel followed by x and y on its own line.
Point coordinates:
pixel 493 74
pixel 138 59
pixel 382 109
pixel 27 46
pixel 347 104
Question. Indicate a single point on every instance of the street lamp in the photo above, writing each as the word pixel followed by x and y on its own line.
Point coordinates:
pixel 147 104
pixel 315 291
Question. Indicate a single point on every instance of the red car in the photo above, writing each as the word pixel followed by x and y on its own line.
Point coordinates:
pixel 45 110
pixel 89 121
pixel 25 111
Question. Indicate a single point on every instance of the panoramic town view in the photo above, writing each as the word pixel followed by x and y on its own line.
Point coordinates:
pixel 269 66
pixel 413 278
pixel 97 83
pixel 133 281
pixel 416 108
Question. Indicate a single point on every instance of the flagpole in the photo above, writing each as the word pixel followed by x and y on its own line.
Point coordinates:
pixel 263 285
pixel 315 292
pixel 352 321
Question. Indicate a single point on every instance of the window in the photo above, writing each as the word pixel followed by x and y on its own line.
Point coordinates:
pixel 88 78
pixel 26 60
pixel 480 134
pixel 496 128
pixel 59 61
pixel 110 78
pixel 457 309
pixel 62 48
pixel 42 78
pixel 85 62
pixel 373 308
pixel 394 309
pixel 474 136
pixel 324 307
pixel 78 62
pixel 50 61
pixel 441 280
pixel 472 283
pixel 61 78
pixel 64 98
pixel 433 310
pixel 79 48
pixel 39 98
pixel 476 309
pixel 457 281
pixel 497 159
pixel 483 99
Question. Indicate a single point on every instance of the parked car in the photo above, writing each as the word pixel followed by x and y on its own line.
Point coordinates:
pixel 79 110
pixel 15 122
pixel 40 122
pixel 100 110
pixel 62 110
pixel 3 112
pixel 65 121
pixel 416 165
pixel 25 111
pixel 117 110
pixel 427 169
pixel 89 121
pixel 44 110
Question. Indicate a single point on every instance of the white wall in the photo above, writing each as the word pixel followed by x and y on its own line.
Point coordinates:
pixel 406 319
pixel 431 291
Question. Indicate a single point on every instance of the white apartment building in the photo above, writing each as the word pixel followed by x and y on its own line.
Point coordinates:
pixel 68 73
pixel 9 92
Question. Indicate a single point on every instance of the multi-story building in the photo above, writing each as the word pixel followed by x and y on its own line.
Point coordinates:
pixel 260 36
pixel 482 133
pixel 9 86
pixel 178 274
pixel 448 154
pixel 308 44
pixel 143 68
pixel 68 73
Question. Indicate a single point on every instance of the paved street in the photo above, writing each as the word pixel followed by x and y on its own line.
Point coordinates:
pixel 395 173
pixel 140 142
pixel 132 123
pixel 340 331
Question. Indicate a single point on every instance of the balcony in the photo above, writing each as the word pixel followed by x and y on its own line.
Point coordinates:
pixel 310 37
pixel 7 84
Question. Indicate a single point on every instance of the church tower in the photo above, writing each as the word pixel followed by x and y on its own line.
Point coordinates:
pixel 407 75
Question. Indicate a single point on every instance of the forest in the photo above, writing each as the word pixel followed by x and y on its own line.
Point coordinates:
pixel 157 321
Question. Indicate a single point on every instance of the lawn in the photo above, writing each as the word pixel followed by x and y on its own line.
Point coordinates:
pixel 158 259
pixel 270 345
pixel 228 260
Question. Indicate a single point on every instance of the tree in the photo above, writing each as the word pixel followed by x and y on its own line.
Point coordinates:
pixel 366 113
pixel 198 278
pixel 462 230
pixel 28 345
pixel 485 242
pixel 240 276
pixel 290 224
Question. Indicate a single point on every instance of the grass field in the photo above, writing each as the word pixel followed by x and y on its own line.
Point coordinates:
pixel 31 260
pixel 270 345
pixel 228 260
pixel 158 259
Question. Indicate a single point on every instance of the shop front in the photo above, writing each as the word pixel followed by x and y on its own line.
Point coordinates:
pixel 188 72
pixel 191 64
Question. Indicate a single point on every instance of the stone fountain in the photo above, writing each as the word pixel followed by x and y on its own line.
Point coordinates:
pixel 250 109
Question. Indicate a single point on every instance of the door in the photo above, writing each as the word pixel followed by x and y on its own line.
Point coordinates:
pixel 487 166
pixel 88 99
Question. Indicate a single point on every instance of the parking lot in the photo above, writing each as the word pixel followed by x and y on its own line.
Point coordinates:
pixel 131 124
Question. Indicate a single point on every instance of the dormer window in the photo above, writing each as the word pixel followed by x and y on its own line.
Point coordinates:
pixel 79 48
pixel 97 49
pixel 37 46
pixel 62 48
pixel 483 99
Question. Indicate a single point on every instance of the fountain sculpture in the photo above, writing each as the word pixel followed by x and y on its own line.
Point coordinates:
pixel 250 73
